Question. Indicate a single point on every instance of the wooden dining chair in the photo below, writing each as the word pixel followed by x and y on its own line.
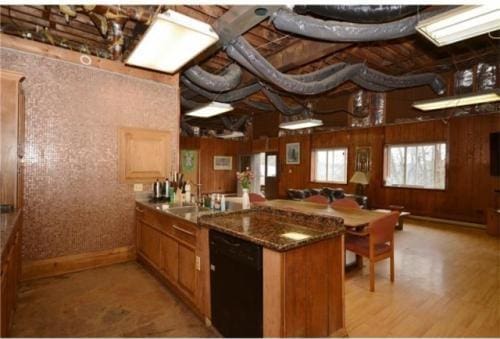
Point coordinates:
pixel 375 242
pixel 318 199
pixel 346 203
pixel 255 197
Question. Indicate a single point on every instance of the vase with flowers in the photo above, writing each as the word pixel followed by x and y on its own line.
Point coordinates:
pixel 245 179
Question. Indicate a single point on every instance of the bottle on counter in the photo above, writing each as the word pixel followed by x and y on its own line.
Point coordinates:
pixel 223 203
pixel 187 195
pixel 157 189
pixel 166 191
pixel 212 201
pixel 217 202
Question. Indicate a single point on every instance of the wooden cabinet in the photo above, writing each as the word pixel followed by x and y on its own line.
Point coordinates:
pixel 150 244
pixel 187 269
pixel 11 138
pixel 11 271
pixel 145 155
pixel 170 257
pixel 169 246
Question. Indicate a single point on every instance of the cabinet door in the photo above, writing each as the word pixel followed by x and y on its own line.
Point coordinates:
pixel 187 269
pixel 145 155
pixel 170 257
pixel 150 244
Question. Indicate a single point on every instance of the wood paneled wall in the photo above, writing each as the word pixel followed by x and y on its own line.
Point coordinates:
pixel 470 188
pixel 210 179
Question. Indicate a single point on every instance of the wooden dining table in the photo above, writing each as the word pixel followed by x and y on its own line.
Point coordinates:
pixel 354 219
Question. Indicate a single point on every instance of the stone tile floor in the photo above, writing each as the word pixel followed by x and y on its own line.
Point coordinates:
pixel 122 300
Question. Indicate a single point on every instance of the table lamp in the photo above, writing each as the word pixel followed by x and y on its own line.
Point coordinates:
pixel 361 179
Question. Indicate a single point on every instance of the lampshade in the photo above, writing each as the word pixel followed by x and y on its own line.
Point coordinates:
pixel 459 100
pixel 460 23
pixel 210 110
pixel 360 178
pixel 172 40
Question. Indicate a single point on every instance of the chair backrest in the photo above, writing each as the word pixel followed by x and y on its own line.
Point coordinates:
pixel 347 203
pixel 254 197
pixel 382 229
pixel 319 199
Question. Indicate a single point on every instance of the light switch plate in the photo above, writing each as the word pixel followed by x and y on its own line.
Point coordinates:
pixel 198 263
pixel 138 187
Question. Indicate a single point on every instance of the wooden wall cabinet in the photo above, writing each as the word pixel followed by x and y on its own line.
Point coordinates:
pixel 168 245
pixel 11 138
pixel 11 273
pixel 144 154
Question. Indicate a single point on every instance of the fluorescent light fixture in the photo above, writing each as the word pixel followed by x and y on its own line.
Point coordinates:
pixel 210 110
pixel 460 23
pixel 233 134
pixel 295 236
pixel 459 100
pixel 171 41
pixel 299 124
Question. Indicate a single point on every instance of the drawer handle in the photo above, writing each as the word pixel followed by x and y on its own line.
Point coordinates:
pixel 183 230
pixel 139 210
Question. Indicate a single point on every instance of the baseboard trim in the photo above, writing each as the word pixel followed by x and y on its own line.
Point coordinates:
pixel 73 263
pixel 448 221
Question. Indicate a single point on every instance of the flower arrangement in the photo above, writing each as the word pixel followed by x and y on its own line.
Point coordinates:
pixel 245 177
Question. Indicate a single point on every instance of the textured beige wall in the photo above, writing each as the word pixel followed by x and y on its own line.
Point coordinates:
pixel 73 200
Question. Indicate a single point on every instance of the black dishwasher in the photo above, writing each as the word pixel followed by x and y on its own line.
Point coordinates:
pixel 235 286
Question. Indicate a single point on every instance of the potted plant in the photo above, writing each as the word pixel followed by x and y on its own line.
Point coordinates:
pixel 245 179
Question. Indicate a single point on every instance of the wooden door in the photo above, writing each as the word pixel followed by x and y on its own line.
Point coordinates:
pixel 150 242
pixel 170 258
pixel 271 180
pixel 187 269
pixel 145 155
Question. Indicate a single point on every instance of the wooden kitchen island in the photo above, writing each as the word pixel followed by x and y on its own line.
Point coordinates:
pixel 303 275
pixel 303 278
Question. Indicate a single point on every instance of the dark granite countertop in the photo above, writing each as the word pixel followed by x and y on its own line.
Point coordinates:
pixel 7 223
pixel 184 211
pixel 275 229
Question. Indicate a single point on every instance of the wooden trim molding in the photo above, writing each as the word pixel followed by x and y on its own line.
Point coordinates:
pixel 59 53
pixel 74 263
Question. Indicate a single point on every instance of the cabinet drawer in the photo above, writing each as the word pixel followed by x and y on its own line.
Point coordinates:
pixel 160 221
pixel 184 231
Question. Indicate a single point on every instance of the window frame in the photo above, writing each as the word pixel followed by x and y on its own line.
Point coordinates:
pixel 313 165
pixel 410 144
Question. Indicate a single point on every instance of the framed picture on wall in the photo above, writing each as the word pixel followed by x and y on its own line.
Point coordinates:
pixel 363 161
pixel 223 163
pixel 293 153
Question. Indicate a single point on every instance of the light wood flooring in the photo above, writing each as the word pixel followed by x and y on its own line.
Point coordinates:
pixel 447 284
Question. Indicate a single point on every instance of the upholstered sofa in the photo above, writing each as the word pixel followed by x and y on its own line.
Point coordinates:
pixel 331 193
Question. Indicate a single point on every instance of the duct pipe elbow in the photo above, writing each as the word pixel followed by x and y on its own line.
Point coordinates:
pixel 229 79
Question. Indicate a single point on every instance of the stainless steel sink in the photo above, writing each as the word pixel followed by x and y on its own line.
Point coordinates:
pixel 188 209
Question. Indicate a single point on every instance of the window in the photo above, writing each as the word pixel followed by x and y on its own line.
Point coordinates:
pixel 330 165
pixel 271 165
pixel 416 165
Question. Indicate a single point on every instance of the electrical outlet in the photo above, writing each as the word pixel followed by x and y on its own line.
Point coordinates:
pixel 198 263
pixel 138 187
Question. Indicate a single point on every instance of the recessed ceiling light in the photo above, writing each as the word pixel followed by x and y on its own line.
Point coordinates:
pixel 210 110
pixel 171 41
pixel 299 124
pixel 460 23
pixel 459 100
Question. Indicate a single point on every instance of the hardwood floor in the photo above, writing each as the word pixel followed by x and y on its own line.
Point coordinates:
pixel 447 284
